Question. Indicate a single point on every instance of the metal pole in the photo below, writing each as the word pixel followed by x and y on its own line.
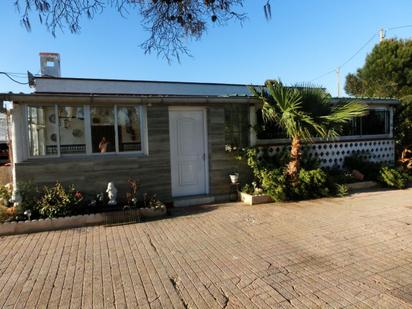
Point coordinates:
pixel 338 80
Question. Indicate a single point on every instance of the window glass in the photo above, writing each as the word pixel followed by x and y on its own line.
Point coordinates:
pixel 236 126
pixel 376 122
pixel 102 129
pixel 269 129
pixel 352 127
pixel 71 129
pixel 128 122
pixel 42 130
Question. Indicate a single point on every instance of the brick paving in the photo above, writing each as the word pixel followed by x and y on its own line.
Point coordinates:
pixel 353 252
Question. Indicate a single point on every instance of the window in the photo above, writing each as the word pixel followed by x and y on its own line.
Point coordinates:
pixel 236 126
pixel 71 129
pixel 42 126
pixel 128 123
pixel 376 122
pixel 67 130
pixel 103 131
pixel 267 130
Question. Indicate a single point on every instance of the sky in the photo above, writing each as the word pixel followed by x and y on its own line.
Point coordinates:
pixel 302 41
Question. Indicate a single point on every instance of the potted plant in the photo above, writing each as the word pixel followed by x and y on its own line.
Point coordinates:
pixel 252 195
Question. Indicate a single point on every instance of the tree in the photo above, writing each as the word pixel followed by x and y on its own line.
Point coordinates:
pixel 169 22
pixel 303 113
pixel 387 71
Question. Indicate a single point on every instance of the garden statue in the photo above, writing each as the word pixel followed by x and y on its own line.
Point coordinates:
pixel 112 194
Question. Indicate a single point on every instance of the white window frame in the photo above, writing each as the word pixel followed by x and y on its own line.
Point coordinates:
pixel 87 132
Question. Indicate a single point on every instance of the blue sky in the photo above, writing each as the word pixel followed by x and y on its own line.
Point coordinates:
pixel 303 40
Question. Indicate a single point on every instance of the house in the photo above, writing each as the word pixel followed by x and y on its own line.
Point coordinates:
pixel 171 136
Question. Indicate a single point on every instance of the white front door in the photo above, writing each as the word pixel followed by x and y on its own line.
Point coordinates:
pixel 188 151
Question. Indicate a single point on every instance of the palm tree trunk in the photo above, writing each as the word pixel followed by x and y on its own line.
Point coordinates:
pixel 294 163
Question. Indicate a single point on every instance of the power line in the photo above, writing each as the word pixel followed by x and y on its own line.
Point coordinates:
pixel 400 27
pixel 348 60
pixel 11 78
pixel 359 50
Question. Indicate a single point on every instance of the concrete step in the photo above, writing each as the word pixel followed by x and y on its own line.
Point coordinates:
pixel 193 200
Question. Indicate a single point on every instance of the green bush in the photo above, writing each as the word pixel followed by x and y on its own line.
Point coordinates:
pixel 356 161
pixel 274 183
pixel 312 184
pixel 341 190
pixel 56 201
pixel 30 196
pixel 393 178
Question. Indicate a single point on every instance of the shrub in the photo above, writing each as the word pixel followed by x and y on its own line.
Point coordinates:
pixel 56 201
pixel 312 184
pixel 5 194
pixel 341 190
pixel 30 196
pixel 274 182
pixel 393 178
pixel 132 196
pixel 356 161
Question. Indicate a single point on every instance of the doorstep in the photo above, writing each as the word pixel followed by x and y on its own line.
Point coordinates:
pixel 195 200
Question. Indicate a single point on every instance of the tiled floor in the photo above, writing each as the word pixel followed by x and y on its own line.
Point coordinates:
pixel 352 252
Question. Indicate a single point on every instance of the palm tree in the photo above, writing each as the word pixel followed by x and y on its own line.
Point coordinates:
pixel 303 113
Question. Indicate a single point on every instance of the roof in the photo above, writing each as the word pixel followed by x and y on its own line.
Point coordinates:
pixel 143 91
pixel 137 87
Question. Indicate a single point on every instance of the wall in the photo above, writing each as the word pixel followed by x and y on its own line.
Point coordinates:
pixel 222 163
pixel 91 173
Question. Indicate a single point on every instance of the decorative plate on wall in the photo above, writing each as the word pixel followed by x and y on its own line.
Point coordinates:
pixel 77 133
pixel 52 118
pixel 53 137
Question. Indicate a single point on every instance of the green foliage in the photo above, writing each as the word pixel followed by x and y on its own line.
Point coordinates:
pixel 56 201
pixel 387 71
pixel 393 178
pixel 342 190
pixel 403 123
pixel 304 111
pixel 30 196
pixel 5 194
pixel 357 161
pixel 151 201
pixel 274 182
pixel 312 184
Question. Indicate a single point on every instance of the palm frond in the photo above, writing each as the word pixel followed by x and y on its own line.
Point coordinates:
pixel 344 112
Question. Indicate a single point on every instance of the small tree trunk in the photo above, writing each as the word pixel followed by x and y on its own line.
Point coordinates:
pixel 294 164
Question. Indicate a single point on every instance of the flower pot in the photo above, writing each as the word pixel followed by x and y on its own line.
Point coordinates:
pixel 255 199
pixel 234 178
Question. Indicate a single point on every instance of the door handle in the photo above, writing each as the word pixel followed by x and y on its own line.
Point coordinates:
pixel 204 157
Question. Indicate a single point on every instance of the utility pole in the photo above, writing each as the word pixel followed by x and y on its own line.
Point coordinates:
pixel 381 35
pixel 338 80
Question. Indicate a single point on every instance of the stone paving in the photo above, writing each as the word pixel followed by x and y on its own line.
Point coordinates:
pixel 353 252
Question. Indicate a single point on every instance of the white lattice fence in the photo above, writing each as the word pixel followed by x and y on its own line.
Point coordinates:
pixel 333 154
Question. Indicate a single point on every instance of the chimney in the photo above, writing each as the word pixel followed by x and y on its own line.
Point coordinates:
pixel 50 64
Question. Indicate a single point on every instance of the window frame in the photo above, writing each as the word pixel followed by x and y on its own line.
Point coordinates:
pixel 390 109
pixel 88 133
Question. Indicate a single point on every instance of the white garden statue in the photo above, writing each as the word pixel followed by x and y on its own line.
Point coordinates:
pixel 112 194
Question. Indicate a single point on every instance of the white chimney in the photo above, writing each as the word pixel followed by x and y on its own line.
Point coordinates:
pixel 50 64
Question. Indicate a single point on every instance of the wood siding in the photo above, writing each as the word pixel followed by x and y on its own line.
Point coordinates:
pixel 90 174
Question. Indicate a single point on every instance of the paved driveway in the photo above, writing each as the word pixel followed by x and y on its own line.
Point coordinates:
pixel 353 252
